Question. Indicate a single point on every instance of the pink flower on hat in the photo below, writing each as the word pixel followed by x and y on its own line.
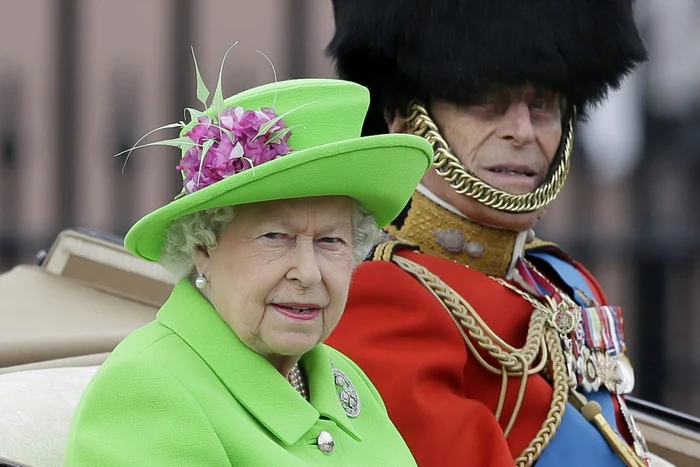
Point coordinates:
pixel 203 131
pixel 235 141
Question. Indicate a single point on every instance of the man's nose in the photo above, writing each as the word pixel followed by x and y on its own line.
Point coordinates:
pixel 516 125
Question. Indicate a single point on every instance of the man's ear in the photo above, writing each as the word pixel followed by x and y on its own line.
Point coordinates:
pixel 396 122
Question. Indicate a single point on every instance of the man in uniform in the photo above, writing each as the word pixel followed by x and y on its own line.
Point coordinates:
pixel 489 346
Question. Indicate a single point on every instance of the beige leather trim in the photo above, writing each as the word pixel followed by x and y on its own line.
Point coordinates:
pixel 108 267
pixel 81 360
pixel 11 463
pixel 676 445
pixel 46 317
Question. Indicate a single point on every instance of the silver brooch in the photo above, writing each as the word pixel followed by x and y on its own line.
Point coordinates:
pixel 347 394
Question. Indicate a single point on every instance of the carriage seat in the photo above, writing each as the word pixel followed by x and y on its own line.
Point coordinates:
pixel 36 412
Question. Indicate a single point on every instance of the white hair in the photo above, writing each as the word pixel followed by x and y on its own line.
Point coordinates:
pixel 203 228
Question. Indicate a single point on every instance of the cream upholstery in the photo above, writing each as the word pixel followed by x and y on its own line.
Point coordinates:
pixel 657 461
pixel 36 411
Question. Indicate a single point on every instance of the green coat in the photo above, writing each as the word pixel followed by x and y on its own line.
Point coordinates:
pixel 185 391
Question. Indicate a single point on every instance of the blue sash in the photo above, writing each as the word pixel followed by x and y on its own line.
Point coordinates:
pixel 578 443
pixel 568 273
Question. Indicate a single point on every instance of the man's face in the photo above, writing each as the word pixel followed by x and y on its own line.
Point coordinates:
pixel 506 136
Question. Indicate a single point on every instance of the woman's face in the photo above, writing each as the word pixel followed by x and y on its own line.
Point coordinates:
pixel 280 273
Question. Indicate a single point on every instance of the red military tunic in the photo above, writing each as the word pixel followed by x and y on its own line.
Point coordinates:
pixel 440 397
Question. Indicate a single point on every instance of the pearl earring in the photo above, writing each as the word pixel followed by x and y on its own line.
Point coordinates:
pixel 201 282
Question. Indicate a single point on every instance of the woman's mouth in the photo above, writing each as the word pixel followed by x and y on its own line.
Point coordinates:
pixel 298 311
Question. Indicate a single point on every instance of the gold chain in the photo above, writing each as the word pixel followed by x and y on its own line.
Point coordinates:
pixel 537 305
pixel 451 168
pixel 514 362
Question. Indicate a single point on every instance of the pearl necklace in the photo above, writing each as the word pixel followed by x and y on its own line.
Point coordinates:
pixel 297 380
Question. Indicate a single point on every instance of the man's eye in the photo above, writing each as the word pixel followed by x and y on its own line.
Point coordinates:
pixel 539 104
pixel 481 98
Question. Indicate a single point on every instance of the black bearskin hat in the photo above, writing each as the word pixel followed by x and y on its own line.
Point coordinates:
pixel 447 49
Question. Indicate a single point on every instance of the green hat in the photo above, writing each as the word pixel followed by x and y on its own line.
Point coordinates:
pixel 289 139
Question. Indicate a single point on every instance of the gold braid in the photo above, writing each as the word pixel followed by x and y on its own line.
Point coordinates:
pixel 541 340
pixel 556 410
pixel 384 251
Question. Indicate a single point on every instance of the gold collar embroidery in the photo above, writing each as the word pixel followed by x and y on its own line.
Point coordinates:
pixel 442 233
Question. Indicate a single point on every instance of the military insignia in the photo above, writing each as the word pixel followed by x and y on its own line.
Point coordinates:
pixel 597 351
pixel 588 370
pixel 564 318
pixel 451 240
pixel 347 394
pixel 623 380
pixel 603 329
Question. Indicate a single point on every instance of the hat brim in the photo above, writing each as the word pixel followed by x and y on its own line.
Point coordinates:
pixel 380 172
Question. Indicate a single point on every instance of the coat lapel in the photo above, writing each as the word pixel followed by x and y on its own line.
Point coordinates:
pixel 249 377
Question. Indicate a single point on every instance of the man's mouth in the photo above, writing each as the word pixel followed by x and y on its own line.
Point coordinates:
pixel 512 178
pixel 521 171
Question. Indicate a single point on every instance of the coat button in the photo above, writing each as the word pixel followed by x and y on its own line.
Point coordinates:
pixel 325 442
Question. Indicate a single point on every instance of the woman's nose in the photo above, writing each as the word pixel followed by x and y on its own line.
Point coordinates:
pixel 304 268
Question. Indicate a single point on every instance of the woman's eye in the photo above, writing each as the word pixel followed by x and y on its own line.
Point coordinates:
pixel 335 241
pixel 274 236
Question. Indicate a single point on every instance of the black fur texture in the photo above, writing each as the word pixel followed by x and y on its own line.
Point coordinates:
pixel 447 49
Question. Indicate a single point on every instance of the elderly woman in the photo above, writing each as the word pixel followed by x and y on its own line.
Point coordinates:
pixel 281 200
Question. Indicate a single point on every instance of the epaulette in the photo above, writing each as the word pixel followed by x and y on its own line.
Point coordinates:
pixel 540 246
pixel 539 243
pixel 390 244
pixel 385 251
